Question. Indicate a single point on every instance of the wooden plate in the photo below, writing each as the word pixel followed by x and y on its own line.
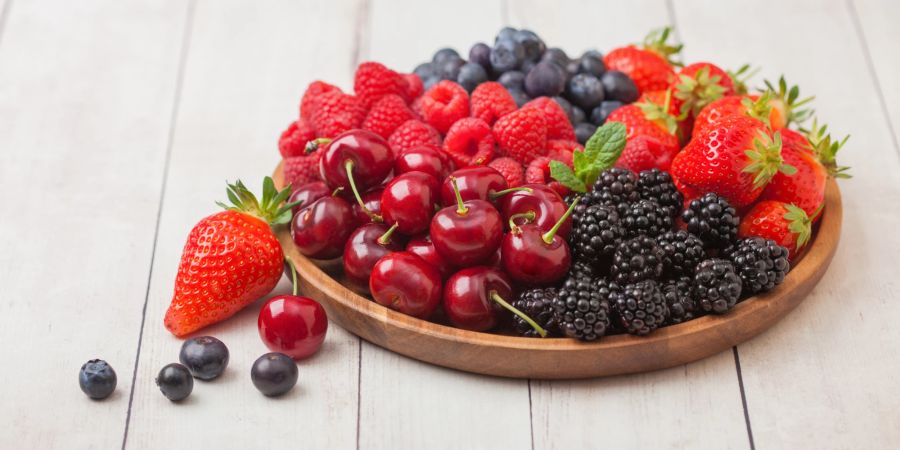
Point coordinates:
pixel 561 358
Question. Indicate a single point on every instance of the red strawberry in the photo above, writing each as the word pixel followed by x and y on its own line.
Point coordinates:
pixel 230 260
pixel 538 171
pixel 386 115
pixel 786 224
pixel 647 65
pixel 522 134
pixel 412 134
pixel 648 118
pixel 373 81
pixel 646 152
pixel 655 103
pixel 698 85
pixel 558 125
pixel 469 142
pixel 510 169
pixel 293 140
pixel 490 101
pixel 299 170
pixel 311 96
pixel 735 159
pixel 335 113
pixel 779 106
pixel 444 104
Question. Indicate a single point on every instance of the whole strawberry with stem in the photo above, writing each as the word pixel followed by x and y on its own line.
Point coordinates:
pixel 231 259
pixel 649 65
pixel 698 85
pixel 786 224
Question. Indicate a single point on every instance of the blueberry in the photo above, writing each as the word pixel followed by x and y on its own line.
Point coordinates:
pixel 449 69
pixel 591 64
pixel 584 131
pixel 512 80
pixel 480 53
pixel 565 105
pixel 545 79
pixel 578 115
pixel 619 86
pixel 427 83
pixel 274 374
pixel 572 67
pixel 505 33
pixel 520 97
pixel 424 70
pixel 557 56
pixel 600 113
pixel 205 356
pixel 97 379
pixel 175 382
pixel 593 52
pixel 507 54
pixel 533 45
pixel 585 90
pixel 445 54
pixel 471 75
pixel 527 66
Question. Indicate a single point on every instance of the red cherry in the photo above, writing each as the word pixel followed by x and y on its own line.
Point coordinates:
pixel 365 247
pixel 424 248
pixel 364 154
pixel 423 159
pixel 534 257
pixel 371 202
pixel 406 283
pixel 468 233
pixel 308 193
pixel 475 297
pixel 321 229
pixel 473 183
pixel 293 325
pixel 408 201
pixel 539 205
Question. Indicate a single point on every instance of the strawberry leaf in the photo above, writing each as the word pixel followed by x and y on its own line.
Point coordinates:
pixel 564 175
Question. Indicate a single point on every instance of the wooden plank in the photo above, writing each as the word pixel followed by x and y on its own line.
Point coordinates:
pixel 876 24
pixel 820 378
pixel 697 405
pixel 247 68
pixel 86 93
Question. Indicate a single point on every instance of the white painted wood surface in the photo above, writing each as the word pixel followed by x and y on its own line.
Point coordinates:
pixel 126 118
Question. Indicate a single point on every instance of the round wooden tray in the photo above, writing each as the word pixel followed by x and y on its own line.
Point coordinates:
pixel 562 358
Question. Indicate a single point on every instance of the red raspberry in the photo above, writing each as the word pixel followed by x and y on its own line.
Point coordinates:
pixel 444 104
pixel 539 172
pixel 564 156
pixel 299 170
pixel 386 115
pixel 412 134
pixel 558 125
pixel 336 113
pixel 644 152
pixel 490 101
pixel 469 142
pixel 510 169
pixel 311 95
pixel 522 134
pixel 373 80
pixel 414 86
pixel 562 145
pixel 293 140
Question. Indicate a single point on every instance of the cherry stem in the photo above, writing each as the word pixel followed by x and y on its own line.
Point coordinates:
pixel 548 236
pixel 385 238
pixel 494 195
pixel 461 208
pixel 348 165
pixel 314 144
pixel 528 216
pixel 497 298
pixel 293 276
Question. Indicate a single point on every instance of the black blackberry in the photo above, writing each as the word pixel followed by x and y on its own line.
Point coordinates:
pixel 712 219
pixel 683 251
pixel 595 232
pixel 636 260
pixel 657 185
pixel 644 217
pixel 613 187
pixel 716 287
pixel 582 308
pixel 640 307
pixel 680 300
pixel 581 269
pixel 538 304
pixel 761 264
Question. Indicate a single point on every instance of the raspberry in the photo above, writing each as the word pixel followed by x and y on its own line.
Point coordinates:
pixel 561 146
pixel 444 104
pixel 335 113
pixel 373 80
pixel 414 86
pixel 490 101
pixel 311 96
pixel 558 125
pixel 644 152
pixel 293 140
pixel 386 115
pixel 510 169
pixel 469 142
pixel 411 134
pixel 539 172
pixel 299 170
pixel 522 134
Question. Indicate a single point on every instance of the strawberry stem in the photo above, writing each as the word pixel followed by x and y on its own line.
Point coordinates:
pixel 548 236
pixel 528 216
pixel 271 207
pixel 461 208
pixel 494 195
pixel 497 298
pixel 385 238
pixel 348 165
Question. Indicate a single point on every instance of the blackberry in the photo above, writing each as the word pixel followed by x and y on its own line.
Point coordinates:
pixel 716 287
pixel 680 300
pixel 595 232
pixel 581 309
pixel 640 307
pixel 538 304
pixel 761 264
pixel 644 217
pixel 712 219
pixel 636 260
pixel 581 269
pixel 613 187
pixel 656 185
pixel 683 251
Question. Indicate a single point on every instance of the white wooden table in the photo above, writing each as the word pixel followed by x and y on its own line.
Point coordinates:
pixel 121 120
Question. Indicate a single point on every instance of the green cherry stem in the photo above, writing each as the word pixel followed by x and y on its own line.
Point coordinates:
pixel 461 208
pixel 294 284
pixel 348 165
pixel 385 238
pixel 528 216
pixel 548 236
pixel 497 298
pixel 494 195
pixel 314 144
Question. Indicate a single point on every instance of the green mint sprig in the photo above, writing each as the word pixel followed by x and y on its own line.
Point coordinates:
pixel 600 153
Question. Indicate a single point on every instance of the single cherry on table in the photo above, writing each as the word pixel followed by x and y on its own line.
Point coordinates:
pixel 467 233
pixel 366 246
pixel 292 324
pixel 475 297
pixel 406 283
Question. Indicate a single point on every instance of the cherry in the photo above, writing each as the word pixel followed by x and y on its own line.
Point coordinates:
pixel 536 257
pixel 424 248
pixel 307 193
pixel 293 325
pixel 372 202
pixel 467 233
pixel 540 205
pixel 406 283
pixel 321 229
pixel 365 247
pixel 473 183
pixel 409 200
pixel 423 159
pixel 356 160
pixel 474 297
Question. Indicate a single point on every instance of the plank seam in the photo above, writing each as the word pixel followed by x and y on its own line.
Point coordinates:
pixel 179 81
pixel 530 414
pixel 737 365
pixel 358 387
pixel 361 34
pixel 4 16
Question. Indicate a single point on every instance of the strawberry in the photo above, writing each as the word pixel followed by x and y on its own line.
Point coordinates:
pixel 648 118
pixel 786 224
pixel 735 159
pixel 522 134
pixel 558 125
pixel 698 85
pixel 230 260
pixel 373 81
pixel 778 106
pixel 648 65
pixel 293 140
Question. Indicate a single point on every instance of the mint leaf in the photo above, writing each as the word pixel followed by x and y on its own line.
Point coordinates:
pixel 563 174
pixel 606 143
pixel 600 153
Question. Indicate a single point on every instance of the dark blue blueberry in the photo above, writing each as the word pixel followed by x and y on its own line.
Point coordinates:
pixel 520 97
pixel 593 52
pixel 424 70
pixel 471 75
pixel 505 33
pixel 572 67
pixel 545 79
pixel 600 113
pixel 445 54
pixel 427 83
pixel 527 66
pixel 205 356
pixel 557 56
pixel 480 53
pixel 97 379
pixel 533 45
pixel 274 373
pixel 619 86
pixel 584 131
pixel 512 80
pixel 449 69
pixel 578 115
pixel 585 90
pixel 507 54
pixel 565 105
pixel 591 64
pixel 175 382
